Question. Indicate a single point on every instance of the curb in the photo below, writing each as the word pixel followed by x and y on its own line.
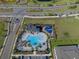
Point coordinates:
pixel 65 15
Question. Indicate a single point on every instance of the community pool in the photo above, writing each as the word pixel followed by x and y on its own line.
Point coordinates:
pixel 35 39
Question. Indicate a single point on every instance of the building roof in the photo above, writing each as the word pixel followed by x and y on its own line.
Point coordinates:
pixel 67 52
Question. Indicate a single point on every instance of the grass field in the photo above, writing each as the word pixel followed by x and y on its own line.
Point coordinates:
pixel 64 42
pixel 67 31
pixel 2 32
pixel 3 25
pixel 68 28
pixel 52 2
pixel 39 21
pixel 65 2
pixel 8 1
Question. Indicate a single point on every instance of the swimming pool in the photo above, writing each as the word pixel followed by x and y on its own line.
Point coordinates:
pixel 49 29
pixel 35 39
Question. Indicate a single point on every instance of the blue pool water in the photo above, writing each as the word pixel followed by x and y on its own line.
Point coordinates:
pixel 49 29
pixel 33 40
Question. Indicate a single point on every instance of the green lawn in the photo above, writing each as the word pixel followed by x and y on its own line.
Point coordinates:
pixel 65 2
pixel 8 2
pixel 39 21
pixel 1 42
pixel 52 2
pixel 64 42
pixel 2 32
pixel 68 28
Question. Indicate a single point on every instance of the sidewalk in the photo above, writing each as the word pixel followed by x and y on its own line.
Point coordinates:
pixel 11 15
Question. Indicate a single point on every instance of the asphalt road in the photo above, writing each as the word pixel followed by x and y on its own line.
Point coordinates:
pixel 10 41
pixel 24 10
